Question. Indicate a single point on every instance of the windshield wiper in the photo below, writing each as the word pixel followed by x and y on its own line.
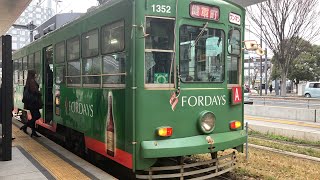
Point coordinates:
pixel 200 34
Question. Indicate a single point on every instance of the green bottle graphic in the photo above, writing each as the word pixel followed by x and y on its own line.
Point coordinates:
pixel 110 127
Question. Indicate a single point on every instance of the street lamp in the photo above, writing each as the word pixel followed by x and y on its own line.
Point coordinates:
pixel 57 1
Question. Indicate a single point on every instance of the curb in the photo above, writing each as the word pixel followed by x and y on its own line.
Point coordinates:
pixel 285 152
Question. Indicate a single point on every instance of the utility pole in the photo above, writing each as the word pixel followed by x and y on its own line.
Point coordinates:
pixel 249 73
pixel 261 48
pixel 266 71
pixel 29 27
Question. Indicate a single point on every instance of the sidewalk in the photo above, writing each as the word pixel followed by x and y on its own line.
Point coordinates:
pixel 41 158
pixel 22 166
pixel 303 130
pixel 256 93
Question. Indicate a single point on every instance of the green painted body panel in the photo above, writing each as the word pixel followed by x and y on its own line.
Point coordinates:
pixel 191 145
pixel 91 122
pixel 85 110
pixel 139 111
pixel 154 110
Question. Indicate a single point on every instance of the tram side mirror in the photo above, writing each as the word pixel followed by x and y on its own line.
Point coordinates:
pixel 260 51
pixel 251 45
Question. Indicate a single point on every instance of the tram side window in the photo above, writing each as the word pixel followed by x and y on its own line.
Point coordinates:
pixel 112 38
pixel 60 74
pixel 234 42
pixel 113 61
pixel 91 71
pixel 113 70
pixel 31 61
pixel 73 49
pixel 233 69
pixel 30 65
pixel 159 51
pixel 233 59
pixel 90 44
pixel 59 52
pixel 20 72
pixel 25 69
pixel 91 64
pixel 37 66
pixel 15 71
pixel 73 66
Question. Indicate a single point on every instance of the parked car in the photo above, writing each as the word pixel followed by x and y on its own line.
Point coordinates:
pixel 246 96
pixel 312 89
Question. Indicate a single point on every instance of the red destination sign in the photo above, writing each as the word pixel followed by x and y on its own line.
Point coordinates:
pixel 204 12
pixel 236 95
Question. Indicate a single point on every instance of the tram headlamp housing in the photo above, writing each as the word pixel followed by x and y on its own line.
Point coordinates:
pixel 207 121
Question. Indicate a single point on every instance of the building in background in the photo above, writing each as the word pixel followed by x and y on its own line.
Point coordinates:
pixel 253 70
pixel 54 23
pixel 37 13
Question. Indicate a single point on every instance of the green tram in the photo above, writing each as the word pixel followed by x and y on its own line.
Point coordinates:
pixel 144 81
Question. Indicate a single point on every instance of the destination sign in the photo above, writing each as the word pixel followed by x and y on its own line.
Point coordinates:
pixel 235 18
pixel 204 12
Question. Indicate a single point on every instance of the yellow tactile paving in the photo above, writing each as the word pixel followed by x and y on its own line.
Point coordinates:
pixel 56 166
pixel 282 121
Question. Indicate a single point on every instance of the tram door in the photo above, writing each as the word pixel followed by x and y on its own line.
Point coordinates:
pixel 48 84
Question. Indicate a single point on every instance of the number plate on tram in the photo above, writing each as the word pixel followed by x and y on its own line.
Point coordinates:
pixel 161 8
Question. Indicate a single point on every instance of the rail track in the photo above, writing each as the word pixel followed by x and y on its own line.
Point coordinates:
pixel 294 154
pixel 315 146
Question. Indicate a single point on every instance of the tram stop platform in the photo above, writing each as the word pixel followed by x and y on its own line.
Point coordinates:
pixel 40 158
pixel 303 130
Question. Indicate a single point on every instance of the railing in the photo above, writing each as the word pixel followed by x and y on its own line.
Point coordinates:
pixel 298 102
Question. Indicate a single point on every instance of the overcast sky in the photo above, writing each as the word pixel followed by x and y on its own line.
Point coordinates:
pixel 75 5
pixel 64 6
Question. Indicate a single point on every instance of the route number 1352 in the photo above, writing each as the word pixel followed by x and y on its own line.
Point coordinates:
pixel 161 8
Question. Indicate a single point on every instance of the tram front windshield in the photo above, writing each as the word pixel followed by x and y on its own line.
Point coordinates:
pixel 201 54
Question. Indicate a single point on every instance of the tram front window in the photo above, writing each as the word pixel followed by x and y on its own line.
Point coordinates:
pixel 159 51
pixel 201 54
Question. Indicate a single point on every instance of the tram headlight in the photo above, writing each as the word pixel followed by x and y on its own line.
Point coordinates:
pixel 207 121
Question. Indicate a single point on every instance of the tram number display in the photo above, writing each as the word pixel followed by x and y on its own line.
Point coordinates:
pixel 161 8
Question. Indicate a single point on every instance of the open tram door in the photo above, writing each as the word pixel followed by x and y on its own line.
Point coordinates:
pixel 47 84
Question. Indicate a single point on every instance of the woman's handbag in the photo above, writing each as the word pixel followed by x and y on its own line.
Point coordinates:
pixel 27 96
pixel 33 100
pixel 39 103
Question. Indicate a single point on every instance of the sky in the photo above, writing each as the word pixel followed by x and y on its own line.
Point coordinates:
pixel 65 6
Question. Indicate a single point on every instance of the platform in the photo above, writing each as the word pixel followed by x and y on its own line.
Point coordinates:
pixel 309 131
pixel 40 158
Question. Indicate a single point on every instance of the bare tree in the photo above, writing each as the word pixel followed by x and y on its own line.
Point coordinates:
pixel 284 25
